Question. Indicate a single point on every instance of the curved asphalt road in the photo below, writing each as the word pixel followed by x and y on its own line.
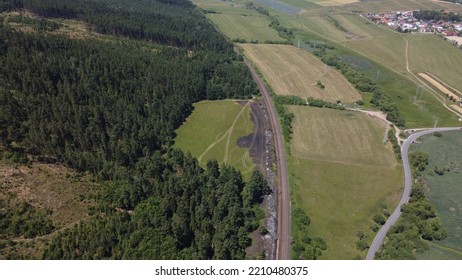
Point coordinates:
pixel 283 241
pixel 378 240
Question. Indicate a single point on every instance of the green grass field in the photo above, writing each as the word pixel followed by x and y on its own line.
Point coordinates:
pixel 330 144
pixel 212 131
pixel 445 61
pixel 445 192
pixel 304 4
pixel 249 27
pixel 237 22
pixel 340 198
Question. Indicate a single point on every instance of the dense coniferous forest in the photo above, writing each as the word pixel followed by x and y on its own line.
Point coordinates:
pixel 110 107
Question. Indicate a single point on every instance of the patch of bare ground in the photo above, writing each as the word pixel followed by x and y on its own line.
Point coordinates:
pixel 65 194
pixel 74 29
pixel 457 108
pixel 255 251
pixel 47 186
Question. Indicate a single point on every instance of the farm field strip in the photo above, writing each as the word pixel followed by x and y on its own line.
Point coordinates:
pixel 440 85
pixel 291 71
pixel 457 108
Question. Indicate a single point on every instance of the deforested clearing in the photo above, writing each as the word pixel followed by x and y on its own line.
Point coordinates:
pixel 292 71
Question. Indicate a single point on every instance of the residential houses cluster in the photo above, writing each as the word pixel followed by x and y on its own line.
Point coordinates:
pixel 404 21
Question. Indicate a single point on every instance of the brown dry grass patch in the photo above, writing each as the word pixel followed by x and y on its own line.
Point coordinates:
pixel 48 186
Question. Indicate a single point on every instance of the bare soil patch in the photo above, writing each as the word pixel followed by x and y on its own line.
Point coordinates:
pixel 255 142
pixel 457 108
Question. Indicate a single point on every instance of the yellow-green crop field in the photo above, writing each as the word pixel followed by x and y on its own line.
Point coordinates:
pixel 292 71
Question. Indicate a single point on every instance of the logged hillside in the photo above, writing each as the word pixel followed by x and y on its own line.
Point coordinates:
pixel 110 107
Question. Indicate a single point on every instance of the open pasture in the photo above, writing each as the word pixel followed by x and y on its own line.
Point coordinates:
pixel 342 199
pixel 245 26
pixel 429 53
pixel 340 136
pixel 292 71
pixel 237 22
pixel 337 170
pixel 212 131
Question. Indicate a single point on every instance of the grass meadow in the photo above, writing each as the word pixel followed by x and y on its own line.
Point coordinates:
pixel 237 22
pixel 351 137
pixel 212 131
pixel 445 192
pixel 341 197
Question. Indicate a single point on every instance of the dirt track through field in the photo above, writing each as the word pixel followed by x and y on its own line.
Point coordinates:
pixel 227 134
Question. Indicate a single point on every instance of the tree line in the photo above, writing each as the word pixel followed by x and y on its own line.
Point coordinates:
pixel 437 15
pixel 362 83
pixel 419 221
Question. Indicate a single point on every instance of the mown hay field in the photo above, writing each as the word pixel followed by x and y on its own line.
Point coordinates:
pixel 292 71
pixel 340 136
pixel 338 187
